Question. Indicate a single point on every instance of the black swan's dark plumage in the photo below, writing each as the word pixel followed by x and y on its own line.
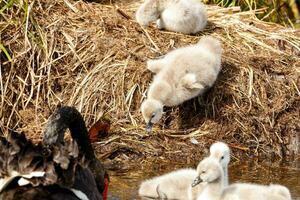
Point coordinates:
pixel 64 164
pixel 69 117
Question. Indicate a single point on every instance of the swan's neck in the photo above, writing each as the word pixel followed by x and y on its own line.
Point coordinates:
pixel 69 117
pixel 212 190
pixel 226 181
pixel 80 135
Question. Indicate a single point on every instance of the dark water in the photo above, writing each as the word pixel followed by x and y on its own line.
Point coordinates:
pixel 124 186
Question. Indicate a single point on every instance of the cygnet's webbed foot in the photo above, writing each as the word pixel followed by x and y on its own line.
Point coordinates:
pixel 190 81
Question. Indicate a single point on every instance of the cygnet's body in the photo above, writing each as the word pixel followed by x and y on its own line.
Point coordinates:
pixel 172 185
pixel 248 191
pixel 220 152
pixel 177 184
pixel 185 16
pixel 182 75
pixel 211 176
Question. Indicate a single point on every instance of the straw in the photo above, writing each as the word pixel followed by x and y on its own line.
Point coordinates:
pixel 92 56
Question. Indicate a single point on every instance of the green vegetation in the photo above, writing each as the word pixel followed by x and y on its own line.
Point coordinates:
pixel 2 48
pixel 285 12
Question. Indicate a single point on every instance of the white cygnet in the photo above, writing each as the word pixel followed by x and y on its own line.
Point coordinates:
pixel 172 185
pixel 185 16
pixel 181 75
pixel 177 184
pixel 221 152
pixel 211 176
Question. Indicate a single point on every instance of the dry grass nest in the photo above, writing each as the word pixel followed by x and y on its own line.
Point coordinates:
pixel 92 55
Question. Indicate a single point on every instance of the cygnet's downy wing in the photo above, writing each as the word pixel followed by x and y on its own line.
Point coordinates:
pixel 149 189
pixel 189 81
pixel 156 65
pixel 281 190
pixel 250 191
pixel 173 185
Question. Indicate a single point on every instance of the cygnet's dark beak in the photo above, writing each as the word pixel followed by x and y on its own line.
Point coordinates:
pixel 197 181
pixel 149 126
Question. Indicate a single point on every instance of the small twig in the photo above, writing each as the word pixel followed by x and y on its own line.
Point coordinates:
pixel 150 39
pixel 122 13
pixel 239 147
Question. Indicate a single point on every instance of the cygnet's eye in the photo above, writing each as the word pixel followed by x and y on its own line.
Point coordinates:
pixel 222 158
pixel 203 171
pixel 153 115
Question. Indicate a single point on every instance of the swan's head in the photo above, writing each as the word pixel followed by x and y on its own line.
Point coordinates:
pixel 211 43
pixel 208 170
pixel 152 111
pixel 221 152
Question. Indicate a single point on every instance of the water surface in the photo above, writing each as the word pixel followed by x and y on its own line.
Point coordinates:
pixel 124 186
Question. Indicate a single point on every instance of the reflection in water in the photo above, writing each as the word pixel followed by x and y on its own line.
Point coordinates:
pixel 125 186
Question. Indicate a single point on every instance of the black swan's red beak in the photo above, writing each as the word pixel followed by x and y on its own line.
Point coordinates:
pixel 105 191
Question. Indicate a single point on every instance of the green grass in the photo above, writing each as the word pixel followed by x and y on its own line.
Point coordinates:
pixel 5 5
pixel 2 48
pixel 285 12
pixel 16 15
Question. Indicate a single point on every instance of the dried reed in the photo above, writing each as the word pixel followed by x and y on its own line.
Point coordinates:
pixel 93 55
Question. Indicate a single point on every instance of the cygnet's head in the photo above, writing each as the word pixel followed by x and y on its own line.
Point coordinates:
pixel 211 43
pixel 208 170
pixel 221 152
pixel 152 111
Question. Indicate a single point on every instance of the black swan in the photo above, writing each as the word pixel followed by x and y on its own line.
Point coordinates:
pixel 54 169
